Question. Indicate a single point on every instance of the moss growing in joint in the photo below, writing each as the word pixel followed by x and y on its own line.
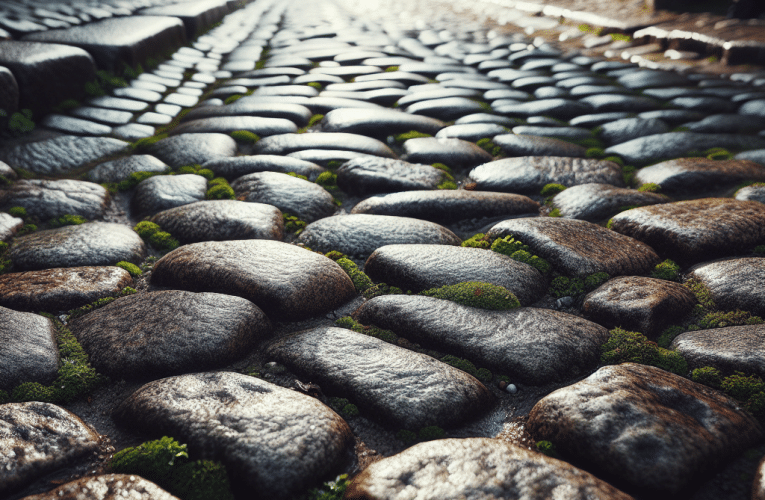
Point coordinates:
pixel 481 374
pixel 562 286
pixel 412 134
pixel 650 187
pixel 708 376
pixel 476 294
pixel 245 136
pixel 406 436
pixel 344 407
pixel 19 212
pixel 146 229
pixel 702 293
pixel 552 189
pixel 361 281
pixel 153 234
pixel 298 176
pixel 628 174
pixel 315 119
pixel 479 240
pixel 447 184
pixel 623 346
pixel 593 281
pixel 26 229
pixel 488 145
pixel 327 180
pixel 292 224
pixel 595 153
pixel 391 69
pixel 547 448
pixel 431 433
pixel 381 289
pixel 539 263
pixel 441 166
pixel 614 159
pixel 143 144
pixel 220 192
pixel 130 267
pixel 315 85
pixel 134 179
pixel 371 330
pixel 555 212
pixel 718 154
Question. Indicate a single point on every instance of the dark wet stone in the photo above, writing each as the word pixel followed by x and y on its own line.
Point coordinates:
pixel 689 175
pixel 471 131
pixel 118 170
pixel 290 143
pixel 697 230
pixel 90 244
pixel 422 267
pixel 535 82
pixel 227 124
pixel 438 93
pixel 358 235
pixel 289 194
pixel 643 79
pixel 9 225
pixel 107 487
pixel 190 149
pixel 325 156
pixel 516 145
pixel 471 83
pixel 50 199
pixel 157 334
pixel 704 104
pixel 286 281
pixel 296 113
pixel 60 154
pixel 645 426
pixel 757 156
pixel 371 175
pixel 427 470
pixel 60 289
pixel 102 115
pixel 731 349
pixel 675 144
pixel 560 108
pixel 29 352
pixel 597 202
pixel 237 166
pixel 550 92
pixel 577 248
pixel 493 95
pixel 452 152
pixel 590 90
pixel 672 117
pixel 752 193
pixel 377 123
pixel 168 191
pixel 447 206
pixel 530 174
pixel 71 125
pixel 32 65
pixel 646 305
pixel 487 118
pixel 604 103
pixel 446 109
pixel 196 15
pixel 418 391
pixel 532 346
pixel 275 441
pixel 598 119
pixel 727 123
pixel 735 283
pixel 9 95
pixel 627 129
pixel 753 108
pixel 39 438
pixel 567 133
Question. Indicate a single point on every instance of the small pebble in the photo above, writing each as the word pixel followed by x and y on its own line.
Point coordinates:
pixel 511 388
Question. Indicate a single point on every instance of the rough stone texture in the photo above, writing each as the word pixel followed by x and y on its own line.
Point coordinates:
pixel 107 487
pixel 9 95
pixel 421 267
pixel 196 15
pixel 60 155
pixel 28 349
pixel 162 192
pixel 689 175
pixel 631 128
pixel 635 303
pixel 576 247
pixel 118 170
pixel 529 174
pixel 9 225
pixel 644 426
pixel 289 194
pixel 751 193
pixel 226 124
pixel 451 152
pixel 232 168
pixel 7 172
pixel 560 108
pixel 729 349
pixel 676 144
pixel 697 230
pixel 284 280
pixel 531 346
pixel 190 149
pixel 61 289
pixel 735 283
pixel 473 468
pixel 290 143
pixel 372 175
pixel 377 122
pixel 220 220
pixel 157 334
pixel 358 235
pixel 50 199
pixel 446 206
pixel 91 244
pixel 642 79
pixel 39 438
pixel 528 145
pixel 272 440
pixel 394 385
pixel 598 202
pixel 296 113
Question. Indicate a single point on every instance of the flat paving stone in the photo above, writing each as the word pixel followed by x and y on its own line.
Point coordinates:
pixel 196 15
pixel 118 103
pixel 9 225
pixel 162 192
pixel 704 104
pixel 446 109
pixel 677 144
pixel 103 115
pixel 290 143
pixel 598 202
pixel 695 175
pixel 274 440
pixel 190 149
pixel 226 124
pixel 451 152
pixel 734 283
pixel 626 129
pixel 60 155
pixel 438 93
pixel 284 280
pixel 643 79
pixel 90 244
pixel 119 170
pixel 644 426
pixel 29 352
pixel 472 132
pixel 577 248
pixel 757 156
pixel 49 199
pixel 672 117
pixel 395 385
pixel 323 105
pixel 753 108
pixel 609 103
pixel 238 166
pixel 289 194
pixel 71 125
pixel 528 145
pixel 560 108
pixel 730 349
pixel 565 133
pixel 296 113
pixel 694 231
pixel 372 175
pixel 377 123
pixel 727 123
pixel 40 438
pixel 107 487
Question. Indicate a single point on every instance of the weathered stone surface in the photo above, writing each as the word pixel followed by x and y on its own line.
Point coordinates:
pixel 71 125
pixel 530 174
pixel 550 130
pixel 735 283
pixel 9 225
pixel 377 123
pixel 9 95
pixel 642 79
pixel 371 175
pixel 560 108
pixel 157 334
pixel 645 426
pixel 107 487
pixel 532 346
pixel 60 154
pixel 751 193
pixel 28 350
pixel 196 15
pixel 528 145
pixel 421 267
pixel 118 170
pixel 472 131
pixel 162 192
pixel 49 199
pixel 61 289
pixel 394 385
pixel 273 440
pixel 688 175
pixel 284 280
pixel 675 144
pixel 451 469
pixel 627 129
pixel 232 168
pixel 697 230
pixel 220 220
pixel 296 113
pixel 635 303
pixel 289 194
pixel 729 349
pixel 451 152
pixel 449 108
pixel 324 105
pixel 358 235
pixel 290 143
pixel 226 124
pixel 729 123
pixel 604 103
pixel 39 438
pixel 7 172
pixel 598 202
pixel 576 247
pixel 190 149
pixel 446 206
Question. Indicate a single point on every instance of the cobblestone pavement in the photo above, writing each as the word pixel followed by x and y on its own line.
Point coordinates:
pixel 366 249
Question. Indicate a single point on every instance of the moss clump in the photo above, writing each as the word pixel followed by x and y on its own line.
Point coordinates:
pixel 381 289
pixel 146 229
pixel 488 145
pixel 130 267
pixel 315 119
pixel 331 490
pixel 406 436
pixel 508 246
pixel 327 180
pixel 391 69
pixel 5 261
pixel 245 136
pixel 361 281
pixel 614 159
pixel 134 179
pixel 666 270
pixel 297 176
pixel 344 407
pixel 412 134
pixel 479 240
pixel 537 262
pixel 97 304
pixel 166 463
pixel 759 249
pixel 649 187
pixel 292 224
pixel 206 173
pixel 447 184
pixel 431 433
pixel 708 376
pixel 552 189
pixel 318 86
pixel 555 212
pixel 220 192
pixel 628 174
pixel 21 122
pixel 371 330
pixel 67 220
pixel 146 142
pixel 481 374
pixel 547 448
pixel 702 293
pixel 668 335
pixel 26 229
pixel 721 319
pixel 19 212
pixel 232 98
pixel 593 281
pixel 188 169
pixel 742 387
pixel 595 153
pixel 153 235
pixel 476 294
pixel 334 164
pixel 623 346
pixel 515 250
pixel 562 286
pixel 718 154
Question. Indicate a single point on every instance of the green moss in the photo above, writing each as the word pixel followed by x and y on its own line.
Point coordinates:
pixel 66 105
pixel 67 220
pixel 134 179
pixel 431 433
pixel 718 154
pixel 328 180
pixel 146 142
pixel 702 293
pixel 742 387
pixel 360 280
pixel 555 212
pixel 245 136
pixel 292 224
pixel 166 463
pixel 206 173
pixel 381 289
pixel 220 192
pixel 476 294
pixel 97 304
pixel 232 98
pixel 343 407
pixel 391 69
pixel 162 240
pixel 614 159
pixel 488 145
pixel 593 281
pixel 130 71
pixel 406 436
pixel 315 85
pixel 547 448
pixel 628 174
pixel 26 229
pixel 508 246
pixel 721 319
pixel 447 184
pixel 441 166
pixel 623 346
pixel 334 164
pixel 759 249
pixel 595 153
pixel 482 374
pixel 188 169
pixel 552 189
pixel 649 187
pixel 537 262
pixel 479 240
pixel 589 142
pixel 371 330
pixel 708 376
pixel 217 181
pixel 146 229
pixel 315 119
pixel 562 286
pixel 21 122
pixel 667 270
pixel 5 261
pixel 331 490
pixel 668 335
pixel 130 267
pixel 412 134
pixel 620 37
pixel 19 212
pixel 298 176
